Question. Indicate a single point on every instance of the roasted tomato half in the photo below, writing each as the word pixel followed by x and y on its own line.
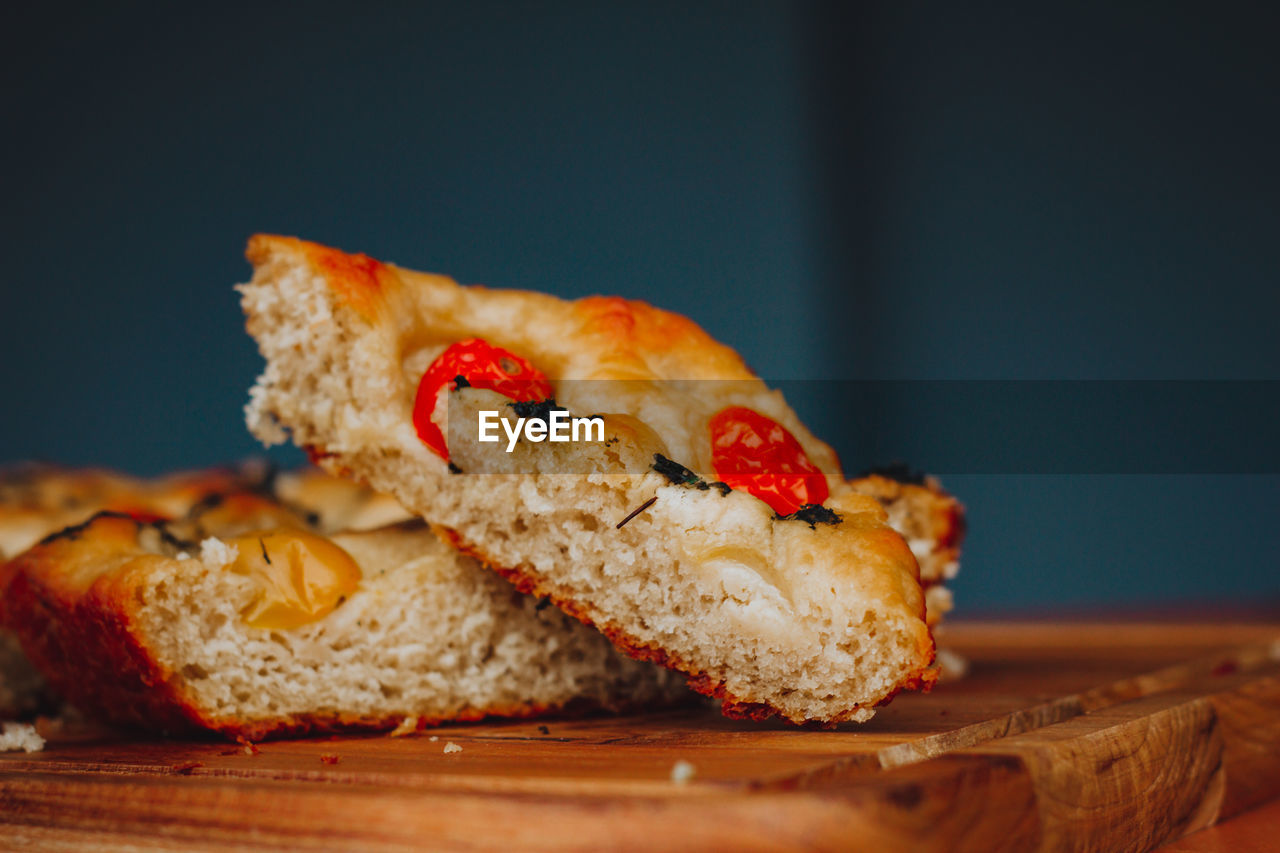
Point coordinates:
pixel 479 364
pixel 761 457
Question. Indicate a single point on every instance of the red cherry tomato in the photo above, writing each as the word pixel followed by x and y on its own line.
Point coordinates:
pixel 482 365
pixel 759 456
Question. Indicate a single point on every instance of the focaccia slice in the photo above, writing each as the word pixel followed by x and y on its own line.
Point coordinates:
pixel 39 499
pixel 709 531
pixel 244 621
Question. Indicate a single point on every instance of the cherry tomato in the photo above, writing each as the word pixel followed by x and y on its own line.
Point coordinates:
pixel 759 456
pixel 482 365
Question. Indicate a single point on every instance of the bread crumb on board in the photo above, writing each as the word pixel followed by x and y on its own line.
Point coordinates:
pixel 407 726
pixel 450 747
pixel 953 666
pixel 682 771
pixel 20 736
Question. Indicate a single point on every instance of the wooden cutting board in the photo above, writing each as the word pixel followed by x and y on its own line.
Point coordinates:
pixel 1062 736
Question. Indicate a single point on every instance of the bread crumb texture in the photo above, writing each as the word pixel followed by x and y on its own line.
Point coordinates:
pixel 20 737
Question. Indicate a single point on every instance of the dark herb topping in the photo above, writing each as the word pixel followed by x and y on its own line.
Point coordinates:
pixel 460 381
pixel 899 471
pixel 637 511
pixel 162 528
pixel 543 604
pixel 813 515
pixel 682 476
pixel 540 409
pixel 544 730
pixel 674 471
pixel 454 469
pixel 73 532
pixel 263 545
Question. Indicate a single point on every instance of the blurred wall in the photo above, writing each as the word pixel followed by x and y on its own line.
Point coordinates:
pixel 842 191
pixel 1090 192
pixel 569 147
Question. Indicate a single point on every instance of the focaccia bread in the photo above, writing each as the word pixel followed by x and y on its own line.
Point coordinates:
pixel 708 531
pixel 243 620
pixel 930 519
pixel 39 499
pixel 334 504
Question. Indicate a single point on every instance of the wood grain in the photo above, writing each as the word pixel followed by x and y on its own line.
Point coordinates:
pixel 1062 737
pixel 1255 831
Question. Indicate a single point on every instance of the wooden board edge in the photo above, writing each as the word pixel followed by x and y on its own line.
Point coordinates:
pixel 1146 772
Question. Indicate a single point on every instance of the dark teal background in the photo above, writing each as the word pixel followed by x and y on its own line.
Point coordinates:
pixel 841 191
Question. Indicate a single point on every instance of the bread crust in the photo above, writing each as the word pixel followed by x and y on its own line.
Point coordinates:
pixel 612 337
pixel 82 639
pixel 39 499
pixel 595 338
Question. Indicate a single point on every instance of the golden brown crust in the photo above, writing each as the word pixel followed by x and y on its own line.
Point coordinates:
pixel 36 500
pixel 358 279
pixel 594 338
pixel 78 632
pixel 620 333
